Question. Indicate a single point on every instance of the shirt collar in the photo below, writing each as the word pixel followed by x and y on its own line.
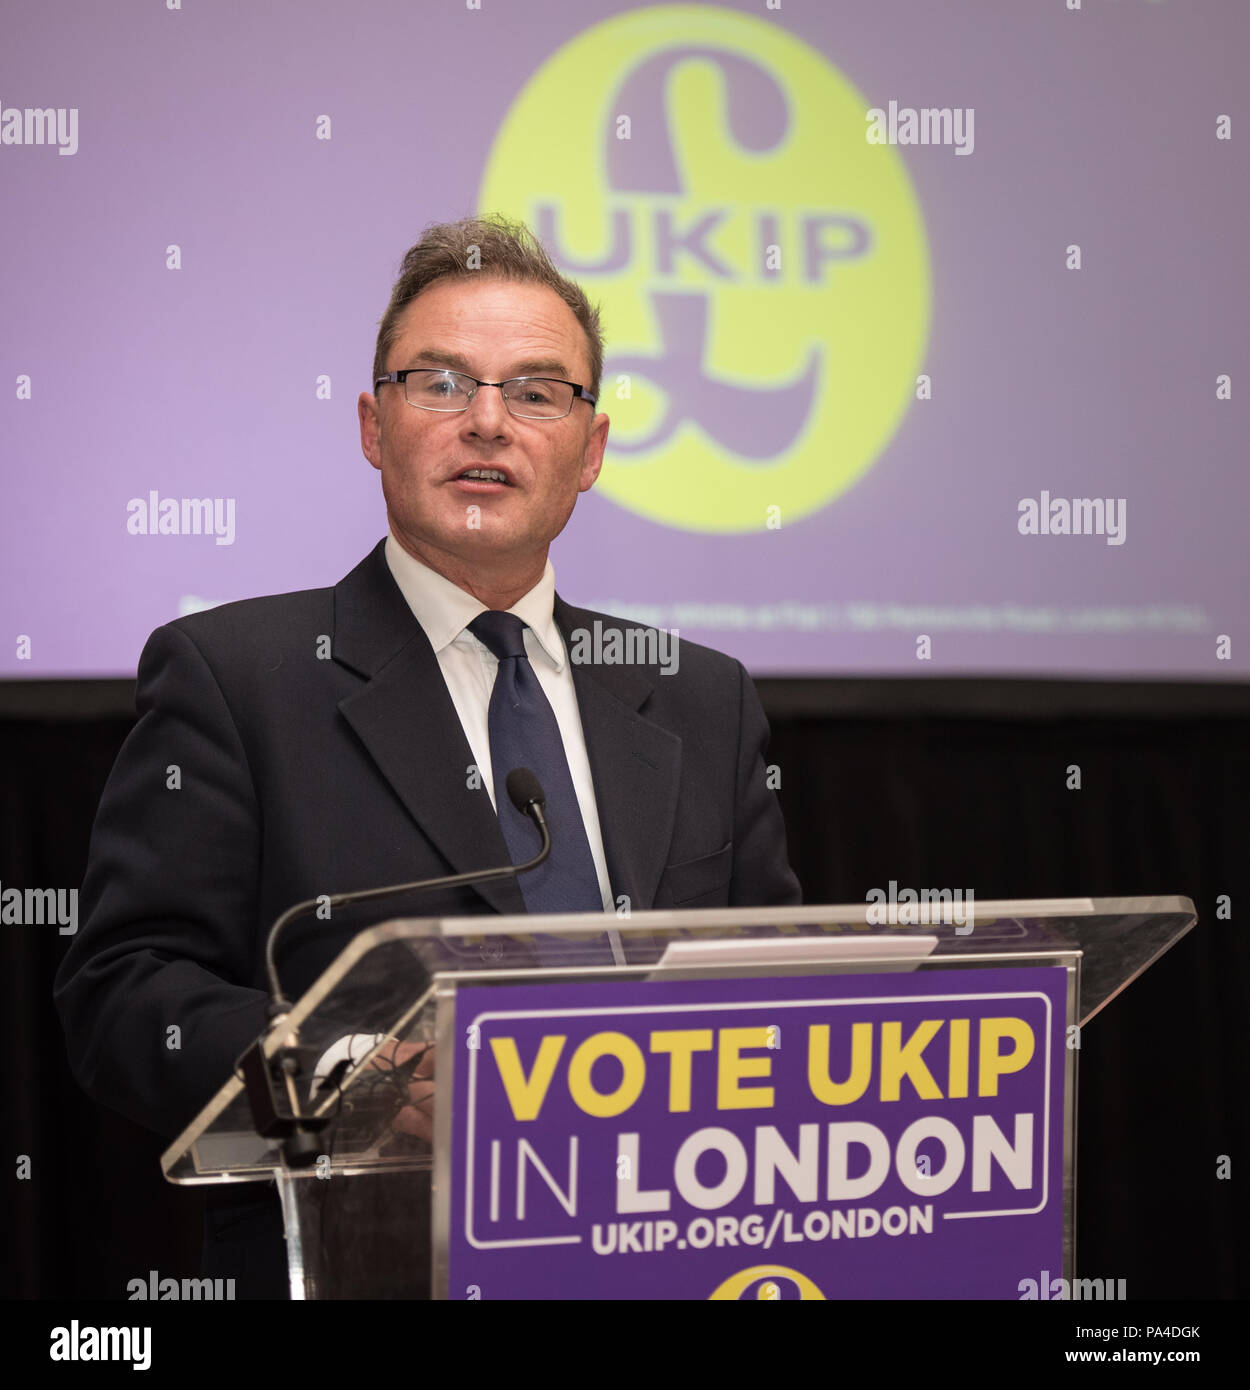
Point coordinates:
pixel 444 610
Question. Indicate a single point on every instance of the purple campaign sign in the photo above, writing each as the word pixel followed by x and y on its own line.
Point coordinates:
pixel 866 1136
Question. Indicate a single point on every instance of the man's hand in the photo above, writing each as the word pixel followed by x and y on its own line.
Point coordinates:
pixel 417 1117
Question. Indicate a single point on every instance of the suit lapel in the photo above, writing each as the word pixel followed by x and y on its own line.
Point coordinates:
pixel 405 717
pixel 635 764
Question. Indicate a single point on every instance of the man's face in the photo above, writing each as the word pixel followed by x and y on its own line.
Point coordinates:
pixel 491 329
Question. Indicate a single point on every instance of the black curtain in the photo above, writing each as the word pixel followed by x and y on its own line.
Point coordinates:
pixel 953 801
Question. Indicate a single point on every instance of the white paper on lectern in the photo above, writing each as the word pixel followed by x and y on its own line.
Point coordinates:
pixel 797 949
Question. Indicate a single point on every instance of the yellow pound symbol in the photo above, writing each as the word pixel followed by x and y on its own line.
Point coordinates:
pixel 768 302
pixel 737 1284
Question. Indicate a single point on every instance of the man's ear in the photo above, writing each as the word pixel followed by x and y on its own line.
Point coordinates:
pixel 370 429
pixel 592 460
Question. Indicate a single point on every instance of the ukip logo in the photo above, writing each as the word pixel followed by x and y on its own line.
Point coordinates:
pixel 762 270
pixel 768 1282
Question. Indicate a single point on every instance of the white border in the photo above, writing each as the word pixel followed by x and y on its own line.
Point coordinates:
pixel 725 1006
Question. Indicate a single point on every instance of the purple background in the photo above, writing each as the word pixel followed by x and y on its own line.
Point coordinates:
pixel 983 1257
pixel 197 127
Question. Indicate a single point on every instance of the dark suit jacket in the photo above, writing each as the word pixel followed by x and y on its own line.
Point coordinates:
pixel 303 771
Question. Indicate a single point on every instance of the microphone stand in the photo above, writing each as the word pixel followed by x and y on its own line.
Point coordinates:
pixel 270 1082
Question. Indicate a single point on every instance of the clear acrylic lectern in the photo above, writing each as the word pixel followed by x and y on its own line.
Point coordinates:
pixel 367 1203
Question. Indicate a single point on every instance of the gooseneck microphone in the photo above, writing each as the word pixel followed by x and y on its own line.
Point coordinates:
pixel 270 1081
pixel 526 794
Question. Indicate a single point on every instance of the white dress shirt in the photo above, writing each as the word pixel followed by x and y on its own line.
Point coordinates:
pixel 468 666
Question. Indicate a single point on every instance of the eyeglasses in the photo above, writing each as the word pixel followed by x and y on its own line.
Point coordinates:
pixel 527 397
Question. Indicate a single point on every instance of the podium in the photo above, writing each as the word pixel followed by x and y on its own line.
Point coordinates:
pixel 862 1100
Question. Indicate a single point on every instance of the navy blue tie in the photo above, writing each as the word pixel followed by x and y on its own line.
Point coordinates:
pixel 524 733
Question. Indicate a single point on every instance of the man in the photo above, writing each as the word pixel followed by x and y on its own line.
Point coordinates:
pixel 340 739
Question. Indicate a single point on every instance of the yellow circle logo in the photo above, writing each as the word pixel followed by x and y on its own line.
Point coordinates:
pixel 761 268
pixel 766 1282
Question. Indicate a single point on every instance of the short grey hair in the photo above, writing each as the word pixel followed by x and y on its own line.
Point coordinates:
pixel 503 248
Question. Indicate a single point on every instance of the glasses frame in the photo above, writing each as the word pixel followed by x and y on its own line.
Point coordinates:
pixel 580 393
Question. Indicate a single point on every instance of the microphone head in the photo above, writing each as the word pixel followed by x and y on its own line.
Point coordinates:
pixel 524 789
